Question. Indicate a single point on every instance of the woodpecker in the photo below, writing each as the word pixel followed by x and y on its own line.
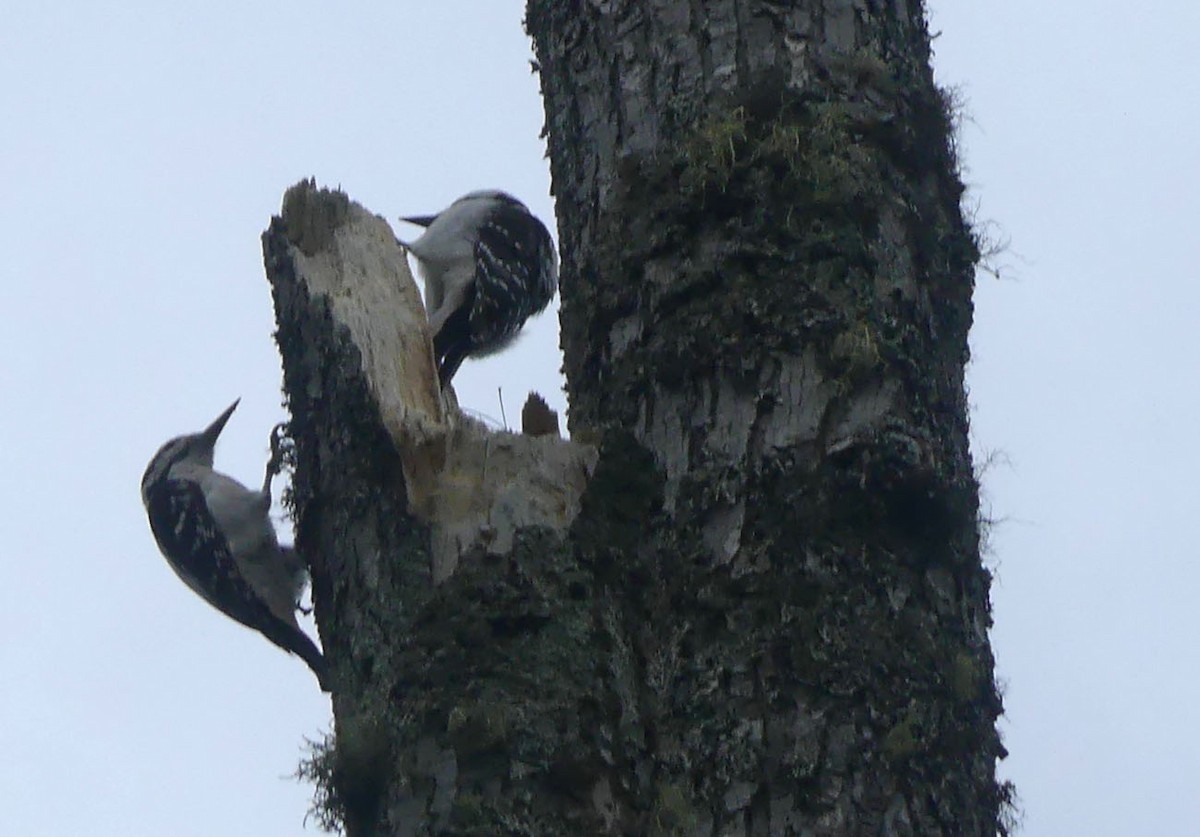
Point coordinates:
pixel 488 265
pixel 218 538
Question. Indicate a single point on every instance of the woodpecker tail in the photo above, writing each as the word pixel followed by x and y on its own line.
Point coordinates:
pixel 291 638
pixel 316 661
pixel 452 343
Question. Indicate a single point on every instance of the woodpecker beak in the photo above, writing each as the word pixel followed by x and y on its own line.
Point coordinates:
pixel 210 433
pixel 419 220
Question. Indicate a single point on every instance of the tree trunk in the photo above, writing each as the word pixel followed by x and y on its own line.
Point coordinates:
pixel 761 608
pixel 767 285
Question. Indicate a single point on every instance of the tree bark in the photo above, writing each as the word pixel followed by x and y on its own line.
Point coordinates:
pixel 767 285
pixel 761 607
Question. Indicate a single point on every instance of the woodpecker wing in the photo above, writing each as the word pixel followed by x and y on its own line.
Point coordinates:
pixel 503 265
pixel 188 537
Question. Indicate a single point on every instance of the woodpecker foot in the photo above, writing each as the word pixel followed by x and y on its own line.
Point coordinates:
pixel 279 454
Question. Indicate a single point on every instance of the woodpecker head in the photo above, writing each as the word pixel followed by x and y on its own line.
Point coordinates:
pixel 470 205
pixel 457 223
pixel 194 448
pixel 490 196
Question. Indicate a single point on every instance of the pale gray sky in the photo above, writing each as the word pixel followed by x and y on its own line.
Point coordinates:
pixel 143 149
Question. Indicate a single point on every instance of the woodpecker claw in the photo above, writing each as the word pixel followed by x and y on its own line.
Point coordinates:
pixel 278 455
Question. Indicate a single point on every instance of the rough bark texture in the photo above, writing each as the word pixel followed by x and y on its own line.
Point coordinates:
pixel 768 614
pixel 767 289
pixel 436 546
pixel 349 497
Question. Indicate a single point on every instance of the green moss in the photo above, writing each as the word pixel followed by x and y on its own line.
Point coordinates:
pixel 349 772
pixel 855 351
pixel 842 169
pixel 901 740
pixel 470 811
pixel 318 769
pixel 711 152
pixel 814 152
pixel 866 68
pixel 784 141
pixel 481 726
pixel 964 677
pixel 673 812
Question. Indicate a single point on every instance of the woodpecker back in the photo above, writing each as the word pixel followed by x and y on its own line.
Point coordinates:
pixel 217 536
pixel 488 265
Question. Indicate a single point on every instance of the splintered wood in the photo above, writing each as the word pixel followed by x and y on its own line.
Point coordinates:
pixel 474 488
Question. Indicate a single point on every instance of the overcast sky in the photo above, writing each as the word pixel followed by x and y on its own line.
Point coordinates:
pixel 144 147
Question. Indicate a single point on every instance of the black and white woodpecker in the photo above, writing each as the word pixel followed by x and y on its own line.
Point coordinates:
pixel 488 265
pixel 218 538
